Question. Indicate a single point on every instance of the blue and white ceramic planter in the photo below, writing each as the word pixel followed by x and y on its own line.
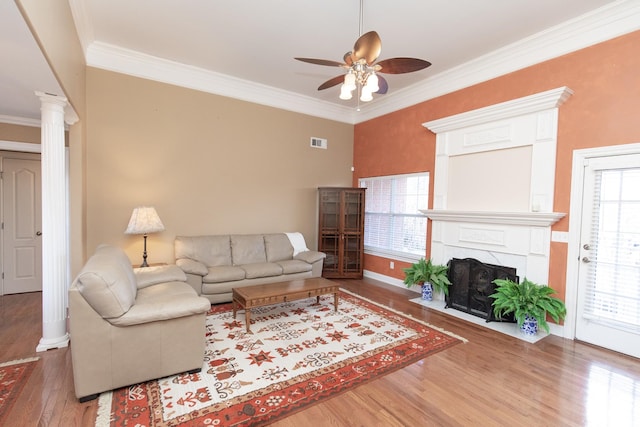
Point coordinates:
pixel 427 291
pixel 530 326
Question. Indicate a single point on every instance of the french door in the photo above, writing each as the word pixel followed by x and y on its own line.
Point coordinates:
pixel 608 299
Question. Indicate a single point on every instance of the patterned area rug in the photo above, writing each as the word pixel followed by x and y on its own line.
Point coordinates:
pixel 13 377
pixel 297 354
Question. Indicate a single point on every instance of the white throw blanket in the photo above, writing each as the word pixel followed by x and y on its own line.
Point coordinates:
pixel 298 243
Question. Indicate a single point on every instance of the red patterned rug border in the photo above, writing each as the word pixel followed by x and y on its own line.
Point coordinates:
pixel 9 396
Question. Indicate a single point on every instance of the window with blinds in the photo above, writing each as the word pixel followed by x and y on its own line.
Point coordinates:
pixel 613 284
pixel 394 226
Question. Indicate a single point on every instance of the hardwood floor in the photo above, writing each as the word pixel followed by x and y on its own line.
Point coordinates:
pixel 493 380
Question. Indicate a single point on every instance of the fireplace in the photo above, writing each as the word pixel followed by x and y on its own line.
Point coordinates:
pixel 472 284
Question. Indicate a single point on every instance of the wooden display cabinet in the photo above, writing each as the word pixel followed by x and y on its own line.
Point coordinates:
pixel 341 231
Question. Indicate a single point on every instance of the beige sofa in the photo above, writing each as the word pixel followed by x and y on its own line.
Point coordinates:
pixel 216 264
pixel 129 326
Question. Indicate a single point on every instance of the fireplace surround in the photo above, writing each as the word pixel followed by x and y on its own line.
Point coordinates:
pixel 494 184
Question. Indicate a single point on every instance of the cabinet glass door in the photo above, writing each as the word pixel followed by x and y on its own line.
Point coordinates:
pixel 330 245
pixel 352 211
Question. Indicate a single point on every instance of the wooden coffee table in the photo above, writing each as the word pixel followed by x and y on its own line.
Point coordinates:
pixel 274 293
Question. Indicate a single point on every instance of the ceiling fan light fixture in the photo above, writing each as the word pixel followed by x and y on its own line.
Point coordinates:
pixel 345 92
pixel 372 83
pixel 366 95
pixel 350 81
pixel 362 69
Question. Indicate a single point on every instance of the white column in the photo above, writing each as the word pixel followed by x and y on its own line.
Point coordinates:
pixel 55 252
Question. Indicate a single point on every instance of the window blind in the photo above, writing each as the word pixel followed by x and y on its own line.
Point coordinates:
pixel 393 223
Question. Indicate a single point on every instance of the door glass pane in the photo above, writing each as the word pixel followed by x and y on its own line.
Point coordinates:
pixel 613 282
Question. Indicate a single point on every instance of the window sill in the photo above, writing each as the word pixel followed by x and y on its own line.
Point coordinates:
pixel 397 256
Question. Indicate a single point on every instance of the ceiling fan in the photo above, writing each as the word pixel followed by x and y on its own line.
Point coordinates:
pixel 362 70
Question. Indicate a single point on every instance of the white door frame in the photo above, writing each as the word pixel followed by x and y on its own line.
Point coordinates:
pixel 575 219
pixel 36 148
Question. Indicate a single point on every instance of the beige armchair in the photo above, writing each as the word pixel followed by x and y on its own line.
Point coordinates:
pixel 129 326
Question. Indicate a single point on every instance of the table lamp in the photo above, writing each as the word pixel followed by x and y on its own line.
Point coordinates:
pixel 144 220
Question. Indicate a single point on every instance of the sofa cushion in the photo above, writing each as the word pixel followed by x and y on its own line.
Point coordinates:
pixel 225 273
pixel 219 288
pixel 107 282
pixel 210 250
pixel 163 301
pixel 278 247
pixel 261 269
pixel 247 249
pixel 292 266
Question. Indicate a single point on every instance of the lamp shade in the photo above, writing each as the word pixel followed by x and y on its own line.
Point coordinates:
pixel 144 220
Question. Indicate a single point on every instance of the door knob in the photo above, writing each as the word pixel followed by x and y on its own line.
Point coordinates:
pixel 586 247
pixel 586 260
pixel 38 233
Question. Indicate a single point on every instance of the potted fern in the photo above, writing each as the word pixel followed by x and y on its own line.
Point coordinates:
pixel 428 275
pixel 529 302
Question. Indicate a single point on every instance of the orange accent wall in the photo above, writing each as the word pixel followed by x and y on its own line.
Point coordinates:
pixel 604 110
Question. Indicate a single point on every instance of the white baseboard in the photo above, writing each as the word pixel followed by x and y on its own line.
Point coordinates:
pixel 387 279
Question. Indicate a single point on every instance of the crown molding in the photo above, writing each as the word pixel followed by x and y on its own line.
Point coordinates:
pixel 607 22
pixel 114 58
pixel 21 121
pixel 83 23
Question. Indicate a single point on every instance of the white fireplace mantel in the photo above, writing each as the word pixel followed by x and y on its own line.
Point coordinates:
pixel 535 219
pixel 493 190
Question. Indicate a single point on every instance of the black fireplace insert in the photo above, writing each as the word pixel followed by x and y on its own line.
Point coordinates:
pixel 471 285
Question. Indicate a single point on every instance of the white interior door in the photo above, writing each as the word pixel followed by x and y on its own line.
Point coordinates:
pixel 22 219
pixel 609 270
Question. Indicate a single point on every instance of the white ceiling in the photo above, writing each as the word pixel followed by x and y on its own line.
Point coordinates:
pixel 245 48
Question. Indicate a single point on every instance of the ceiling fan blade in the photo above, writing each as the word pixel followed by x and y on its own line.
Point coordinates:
pixel 368 46
pixel 331 82
pixel 382 85
pixel 402 65
pixel 321 62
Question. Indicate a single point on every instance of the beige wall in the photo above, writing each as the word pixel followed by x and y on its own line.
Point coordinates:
pixel 18 133
pixel 209 164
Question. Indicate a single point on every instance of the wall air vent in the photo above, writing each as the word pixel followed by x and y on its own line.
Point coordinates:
pixel 318 142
